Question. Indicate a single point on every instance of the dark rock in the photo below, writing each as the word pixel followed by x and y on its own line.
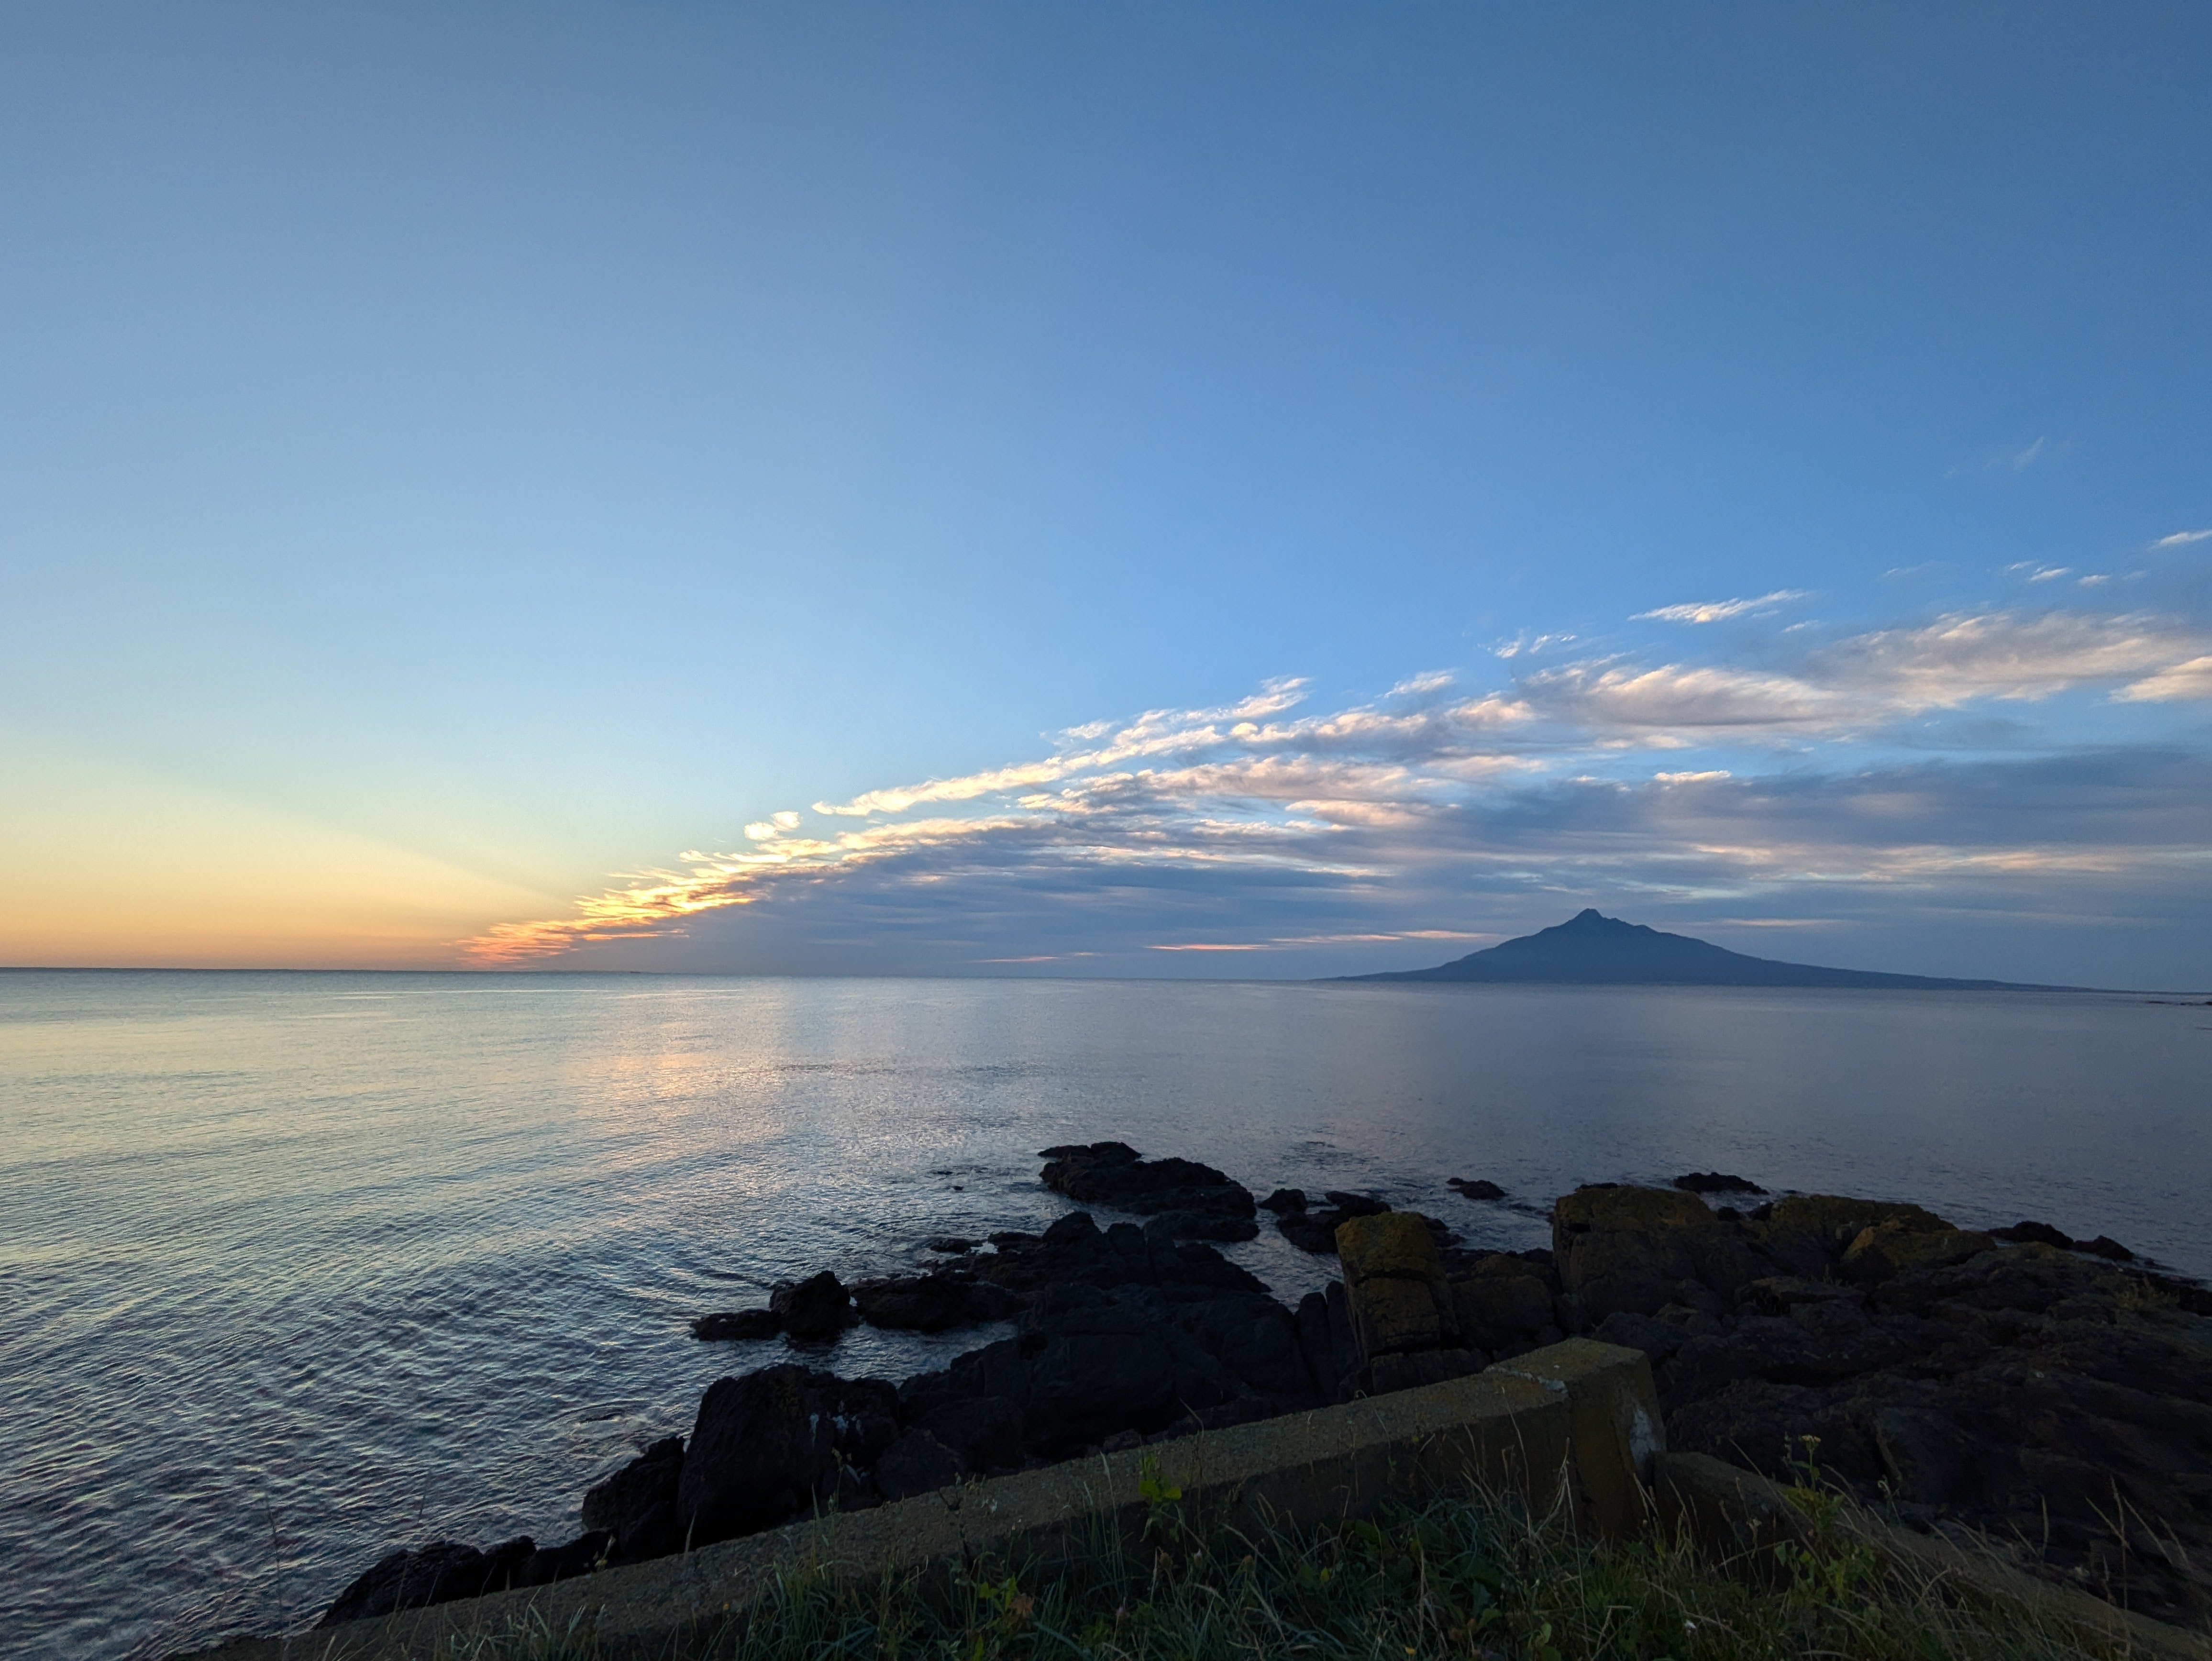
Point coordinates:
pixel 1478 1188
pixel 2028 1395
pixel 1806 1234
pixel 635 1506
pixel 1355 1205
pixel 1504 1303
pixel 815 1310
pixel 951 1244
pixel 768 1446
pixel 1010 1239
pixel 579 1557
pixel 1639 1248
pixel 2106 1247
pixel 1112 1174
pixel 504 1562
pixel 1315 1231
pixel 916 1464
pixel 984 1431
pixel 738 1323
pixel 1715 1181
pixel 2034 1233
pixel 936 1302
pixel 436 1573
pixel 1285 1199
pixel 1076 1251
pixel 1656 1338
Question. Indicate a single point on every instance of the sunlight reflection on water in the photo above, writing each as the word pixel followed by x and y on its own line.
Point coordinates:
pixel 299 1266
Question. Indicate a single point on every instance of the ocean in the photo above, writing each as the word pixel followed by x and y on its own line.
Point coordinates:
pixel 295 1268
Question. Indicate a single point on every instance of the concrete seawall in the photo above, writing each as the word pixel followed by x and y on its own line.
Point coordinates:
pixel 1574 1424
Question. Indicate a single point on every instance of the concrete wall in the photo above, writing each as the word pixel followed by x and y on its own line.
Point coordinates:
pixel 1576 1424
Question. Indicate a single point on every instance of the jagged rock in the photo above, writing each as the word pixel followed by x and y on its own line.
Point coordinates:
pixel 1638 1249
pixel 2027 1393
pixel 1400 1302
pixel 952 1245
pixel 936 1302
pixel 1887 1249
pixel 1315 1231
pixel 1715 1181
pixel 768 1446
pixel 436 1573
pixel 1805 1235
pixel 2105 1246
pixel 2034 1233
pixel 635 1506
pixel 1285 1199
pixel 738 1323
pixel 1113 1174
pixel 1478 1188
pixel 1505 1304
pixel 815 1310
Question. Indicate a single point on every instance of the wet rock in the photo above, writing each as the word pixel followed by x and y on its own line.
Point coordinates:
pixel 1715 1181
pixel 935 1302
pixel 1315 1231
pixel 738 1323
pixel 2034 1233
pixel 1075 1250
pixel 2106 1247
pixel 1200 1198
pixel 436 1573
pixel 815 1310
pixel 1285 1199
pixel 1477 1190
pixel 768 1446
pixel 635 1506
pixel 951 1244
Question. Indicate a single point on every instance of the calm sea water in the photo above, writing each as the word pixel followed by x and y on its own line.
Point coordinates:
pixel 295 1268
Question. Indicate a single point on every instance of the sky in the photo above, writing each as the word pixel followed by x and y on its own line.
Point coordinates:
pixel 1260 489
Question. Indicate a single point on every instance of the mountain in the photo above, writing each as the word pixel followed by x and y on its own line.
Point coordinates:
pixel 1590 949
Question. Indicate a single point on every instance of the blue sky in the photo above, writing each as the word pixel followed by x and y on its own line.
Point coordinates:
pixel 457 461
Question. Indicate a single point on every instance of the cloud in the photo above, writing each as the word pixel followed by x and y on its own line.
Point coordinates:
pixel 2192 680
pixel 2181 538
pixel 1258 830
pixel 1720 610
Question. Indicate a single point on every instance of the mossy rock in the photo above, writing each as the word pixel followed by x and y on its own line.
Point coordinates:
pixel 1394 1243
pixel 1889 1249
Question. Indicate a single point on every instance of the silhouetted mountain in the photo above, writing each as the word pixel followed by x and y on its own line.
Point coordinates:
pixel 1593 950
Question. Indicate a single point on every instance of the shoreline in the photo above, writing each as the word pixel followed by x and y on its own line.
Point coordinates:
pixel 1877 1328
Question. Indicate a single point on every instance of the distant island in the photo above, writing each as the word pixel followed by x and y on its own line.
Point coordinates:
pixel 1591 949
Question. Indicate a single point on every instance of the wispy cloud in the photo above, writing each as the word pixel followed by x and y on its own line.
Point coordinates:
pixel 1372 827
pixel 1719 610
pixel 2181 538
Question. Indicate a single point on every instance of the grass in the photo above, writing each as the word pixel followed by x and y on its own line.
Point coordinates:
pixel 1474 1576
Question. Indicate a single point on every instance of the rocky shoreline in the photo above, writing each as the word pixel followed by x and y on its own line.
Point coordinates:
pixel 2051 1396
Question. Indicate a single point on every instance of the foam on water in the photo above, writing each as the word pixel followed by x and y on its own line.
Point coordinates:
pixel 295 1268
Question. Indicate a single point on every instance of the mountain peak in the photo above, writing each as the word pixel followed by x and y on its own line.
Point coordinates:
pixel 1591 949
